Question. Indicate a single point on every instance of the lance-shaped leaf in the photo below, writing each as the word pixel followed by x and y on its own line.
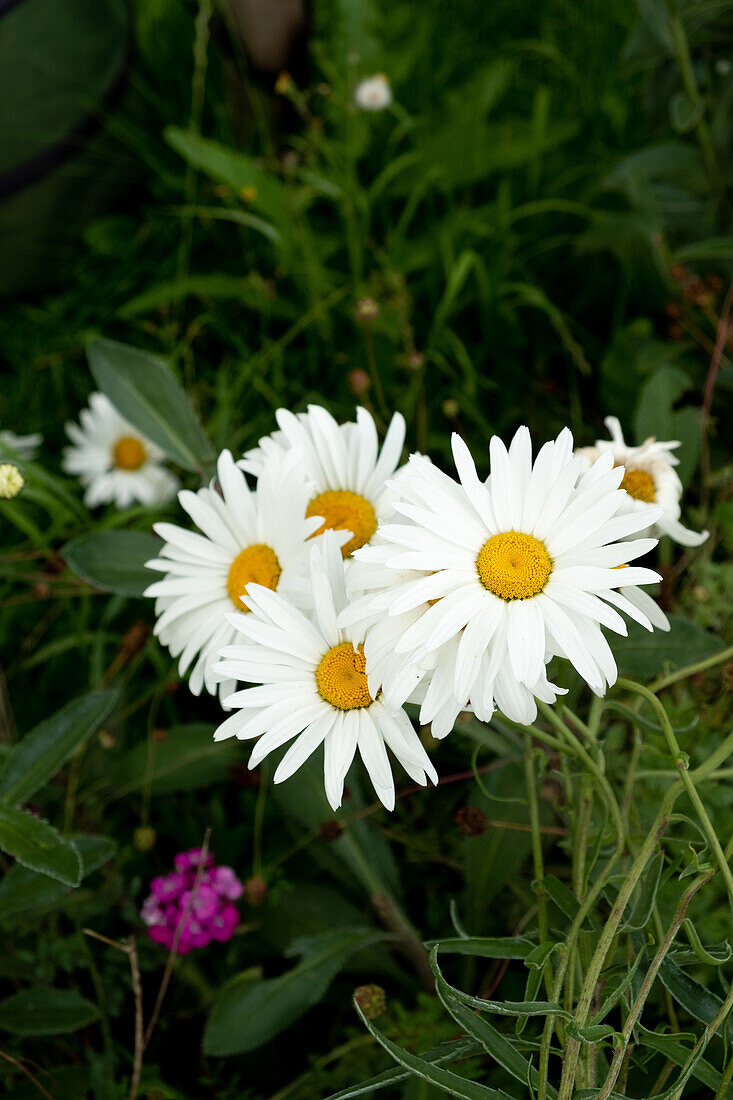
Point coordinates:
pixel 113 560
pixel 37 845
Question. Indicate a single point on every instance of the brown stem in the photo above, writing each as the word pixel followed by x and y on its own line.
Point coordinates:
pixel 14 1062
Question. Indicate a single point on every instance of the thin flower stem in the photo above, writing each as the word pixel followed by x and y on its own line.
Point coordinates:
pixel 692 670
pixel 534 820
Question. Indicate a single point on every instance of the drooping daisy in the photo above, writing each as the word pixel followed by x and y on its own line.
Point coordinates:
pixel 313 686
pixel 345 465
pixel 24 447
pixel 374 93
pixel 247 535
pixel 648 479
pixel 114 461
pixel 518 569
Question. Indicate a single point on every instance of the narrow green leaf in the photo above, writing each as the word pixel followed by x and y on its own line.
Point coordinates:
pixel 37 845
pixel 446 1052
pixel 46 1012
pixel 246 1015
pixel 113 560
pixel 144 389
pixel 486 947
pixel 679 1054
pixel 444 1079
pixel 42 752
pixel 694 998
pixel 188 758
pixel 712 248
pixel 641 913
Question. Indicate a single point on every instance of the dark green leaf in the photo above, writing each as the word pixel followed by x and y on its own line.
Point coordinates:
pixel 37 845
pixel 46 1012
pixel 446 1052
pixel 246 1015
pixel 694 998
pixel 712 248
pixel 188 758
pixel 113 560
pixel 143 388
pixel 43 751
pixel 31 893
pixel 486 947
pixel 646 894
pixel 645 655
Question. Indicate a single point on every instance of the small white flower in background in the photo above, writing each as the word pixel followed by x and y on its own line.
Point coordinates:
pixel 114 461
pixel 248 535
pixel 344 464
pixel 649 479
pixel 313 686
pixel 374 93
pixel 519 568
pixel 11 481
pixel 24 447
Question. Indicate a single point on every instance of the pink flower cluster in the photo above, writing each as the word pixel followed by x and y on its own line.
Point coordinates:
pixel 196 914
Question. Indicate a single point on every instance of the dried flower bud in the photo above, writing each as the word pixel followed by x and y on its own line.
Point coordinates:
pixel 415 361
pixel 41 590
pixel 329 831
pixel 367 309
pixel 678 272
pixel 673 310
pixel 471 821
pixel 255 890
pixel 371 999
pixel 159 736
pixel 714 283
pixel 359 382
pixel 243 777
pixel 675 332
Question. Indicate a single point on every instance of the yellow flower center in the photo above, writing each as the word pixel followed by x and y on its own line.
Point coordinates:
pixel 639 484
pixel 341 677
pixel 344 511
pixel 514 566
pixel 128 453
pixel 257 564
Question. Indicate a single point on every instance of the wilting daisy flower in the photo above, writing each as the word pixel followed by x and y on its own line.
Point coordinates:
pixel 313 686
pixel 344 464
pixel 24 447
pixel 247 536
pixel 648 479
pixel 518 569
pixel 374 93
pixel 117 463
pixel 11 480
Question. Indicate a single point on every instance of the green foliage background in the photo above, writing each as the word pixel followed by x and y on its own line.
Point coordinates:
pixel 543 218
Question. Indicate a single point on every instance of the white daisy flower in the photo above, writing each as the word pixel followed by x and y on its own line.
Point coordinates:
pixel 114 461
pixel 517 569
pixel 313 686
pixel 24 447
pixel 247 536
pixel 343 461
pixel 648 479
pixel 374 93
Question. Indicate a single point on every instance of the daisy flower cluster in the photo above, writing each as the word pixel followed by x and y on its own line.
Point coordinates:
pixel 336 585
pixel 188 914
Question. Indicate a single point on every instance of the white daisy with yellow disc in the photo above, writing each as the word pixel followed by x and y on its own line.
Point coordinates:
pixel 517 569
pixel 248 536
pixel 343 462
pixel 115 462
pixel 649 478
pixel 313 688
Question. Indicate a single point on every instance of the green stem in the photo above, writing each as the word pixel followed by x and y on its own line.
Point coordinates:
pixel 534 820
pixel 691 670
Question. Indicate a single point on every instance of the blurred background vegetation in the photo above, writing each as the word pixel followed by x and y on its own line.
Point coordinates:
pixel 538 230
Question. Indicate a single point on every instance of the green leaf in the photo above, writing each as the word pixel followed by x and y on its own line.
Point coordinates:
pixel 444 1079
pixel 46 1012
pixel 42 752
pixel 679 1054
pixel 445 1052
pixel 188 758
pixel 646 895
pixel 486 947
pixel 144 389
pixel 644 655
pixel 656 415
pixel 28 892
pixel 594 1033
pixel 210 287
pixel 694 998
pixel 496 1045
pixel 37 845
pixel 565 899
pixel 246 1015
pixel 685 112
pixel 113 560
pixel 711 248
pixel 711 956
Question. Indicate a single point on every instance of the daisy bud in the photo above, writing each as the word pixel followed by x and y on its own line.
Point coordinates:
pixel 11 481
pixel 374 93
pixel 359 382
pixel 144 838
pixel 415 361
pixel 367 309
pixel 471 821
pixel 371 1000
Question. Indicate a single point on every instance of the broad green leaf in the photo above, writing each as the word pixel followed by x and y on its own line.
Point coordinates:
pixel 144 389
pixel 30 893
pixel 446 1052
pixel 486 947
pixel 37 845
pixel 113 560
pixel 42 752
pixel 496 1045
pixel 46 1012
pixel 444 1079
pixel 246 1015
pixel 656 416
pixel 644 655
pixel 188 758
